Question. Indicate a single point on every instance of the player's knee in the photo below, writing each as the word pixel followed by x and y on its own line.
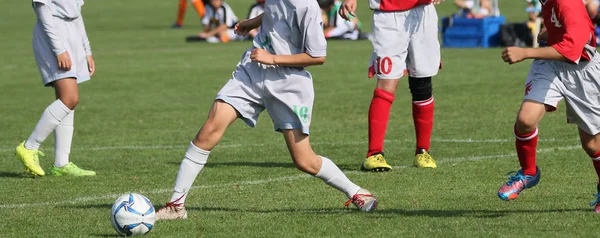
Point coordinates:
pixel 420 88
pixel 525 125
pixel 210 130
pixel 591 148
pixel 70 101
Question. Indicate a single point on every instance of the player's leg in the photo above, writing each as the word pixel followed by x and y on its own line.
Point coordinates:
pixel 236 99
pixel 221 115
pixel 591 145
pixel 423 63
pixel 199 6
pixel 307 161
pixel 66 91
pixel 542 93
pixel 180 14
pixel 28 151
pixel 388 63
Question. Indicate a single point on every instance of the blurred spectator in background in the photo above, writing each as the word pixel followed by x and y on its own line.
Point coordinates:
pixel 336 27
pixel 198 5
pixel 255 10
pixel 475 8
pixel 218 22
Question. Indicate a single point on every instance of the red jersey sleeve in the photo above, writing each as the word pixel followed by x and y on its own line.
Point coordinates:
pixel 577 32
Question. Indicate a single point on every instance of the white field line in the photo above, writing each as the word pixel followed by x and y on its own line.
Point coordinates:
pixel 262 181
pixel 167 147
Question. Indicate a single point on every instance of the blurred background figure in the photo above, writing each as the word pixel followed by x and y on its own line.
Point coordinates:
pixel 198 5
pixel 336 27
pixel 218 24
pixel 255 10
pixel 477 8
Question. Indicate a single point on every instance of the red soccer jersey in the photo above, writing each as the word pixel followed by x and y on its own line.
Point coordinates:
pixel 396 5
pixel 569 28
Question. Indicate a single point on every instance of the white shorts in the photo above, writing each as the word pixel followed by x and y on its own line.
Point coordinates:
pixel 46 60
pixel 549 81
pixel 405 41
pixel 287 94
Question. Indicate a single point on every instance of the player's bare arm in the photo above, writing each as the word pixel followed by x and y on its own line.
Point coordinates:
pixel 298 60
pixel 514 55
pixel 244 27
pixel 208 33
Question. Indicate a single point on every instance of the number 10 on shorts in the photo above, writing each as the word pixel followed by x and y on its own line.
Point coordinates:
pixel 382 65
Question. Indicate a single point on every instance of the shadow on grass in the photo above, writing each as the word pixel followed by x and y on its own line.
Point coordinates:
pixel 474 213
pixel 93 206
pixel 4 174
pixel 245 164
pixel 105 235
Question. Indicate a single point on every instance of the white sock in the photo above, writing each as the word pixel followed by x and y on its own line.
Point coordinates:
pixel 333 176
pixel 63 136
pixel 50 119
pixel 190 167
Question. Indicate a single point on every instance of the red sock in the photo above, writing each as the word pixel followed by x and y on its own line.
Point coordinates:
pixel 423 117
pixel 526 145
pixel 596 161
pixel 181 11
pixel 379 113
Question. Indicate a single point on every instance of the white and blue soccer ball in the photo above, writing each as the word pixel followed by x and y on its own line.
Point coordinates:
pixel 132 214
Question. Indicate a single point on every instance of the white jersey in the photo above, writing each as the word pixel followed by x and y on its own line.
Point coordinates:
pixel 67 9
pixel 256 10
pixel 222 15
pixel 292 27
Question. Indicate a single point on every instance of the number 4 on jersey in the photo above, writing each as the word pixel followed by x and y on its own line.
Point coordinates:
pixel 554 19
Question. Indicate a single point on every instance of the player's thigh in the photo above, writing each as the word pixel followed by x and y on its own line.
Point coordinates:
pixel 582 94
pixel 424 55
pixel 242 91
pixel 390 45
pixel 290 99
pixel 542 93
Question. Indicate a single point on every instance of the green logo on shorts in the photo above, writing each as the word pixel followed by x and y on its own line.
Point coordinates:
pixel 302 113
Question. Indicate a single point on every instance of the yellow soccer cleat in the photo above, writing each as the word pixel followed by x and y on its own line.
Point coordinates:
pixel 71 170
pixel 424 160
pixel 375 163
pixel 31 160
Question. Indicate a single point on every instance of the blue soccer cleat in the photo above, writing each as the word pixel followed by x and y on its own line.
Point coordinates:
pixel 517 182
pixel 596 203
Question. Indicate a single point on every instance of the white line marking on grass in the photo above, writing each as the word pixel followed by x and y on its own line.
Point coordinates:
pixel 262 181
pixel 168 147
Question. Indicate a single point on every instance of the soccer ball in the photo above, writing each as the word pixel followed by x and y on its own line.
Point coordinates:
pixel 132 214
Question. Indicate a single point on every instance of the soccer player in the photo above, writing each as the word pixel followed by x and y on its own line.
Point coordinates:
pixel 198 5
pixel 218 22
pixel 271 75
pixel 405 41
pixel 64 58
pixel 337 27
pixel 568 68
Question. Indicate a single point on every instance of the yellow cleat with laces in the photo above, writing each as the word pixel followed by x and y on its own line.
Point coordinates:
pixel 424 160
pixel 375 163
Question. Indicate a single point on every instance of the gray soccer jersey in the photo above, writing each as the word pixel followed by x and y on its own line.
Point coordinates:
pixel 292 27
pixel 289 27
pixel 69 9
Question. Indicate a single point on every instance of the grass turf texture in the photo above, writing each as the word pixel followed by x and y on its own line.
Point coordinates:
pixel 152 91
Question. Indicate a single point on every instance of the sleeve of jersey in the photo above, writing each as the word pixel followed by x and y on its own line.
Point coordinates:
pixel 47 20
pixel 315 43
pixel 84 38
pixel 206 18
pixel 577 33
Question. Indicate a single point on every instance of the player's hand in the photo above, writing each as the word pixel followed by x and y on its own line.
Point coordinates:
pixel 437 1
pixel 203 35
pixel 513 55
pixel 347 9
pixel 64 61
pixel 243 28
pixel 91 65
pixel 262 56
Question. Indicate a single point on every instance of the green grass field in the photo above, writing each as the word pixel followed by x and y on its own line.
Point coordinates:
pixel 152 91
